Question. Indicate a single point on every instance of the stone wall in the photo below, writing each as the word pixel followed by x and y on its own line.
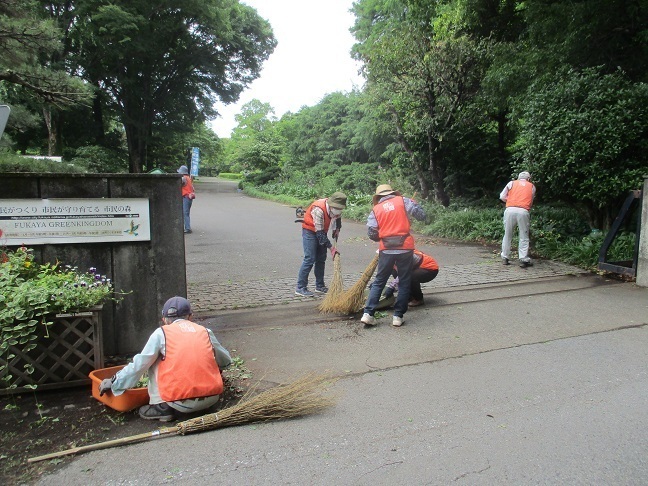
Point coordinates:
pixel 152 271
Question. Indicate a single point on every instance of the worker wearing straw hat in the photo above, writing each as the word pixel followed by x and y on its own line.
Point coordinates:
pixel 183 360
pixel 317 220
pixel 389 224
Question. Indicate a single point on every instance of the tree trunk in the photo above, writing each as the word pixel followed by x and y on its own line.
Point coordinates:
pixel 420 175
pixel 134 143
pixel 501 137
pixel 436 173
pixel 50 123
pixel 97 115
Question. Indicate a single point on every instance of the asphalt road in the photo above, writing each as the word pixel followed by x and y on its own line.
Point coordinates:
pixel 237 238
pixel 528 379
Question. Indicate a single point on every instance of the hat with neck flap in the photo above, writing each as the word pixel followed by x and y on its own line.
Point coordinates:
pixel 337 200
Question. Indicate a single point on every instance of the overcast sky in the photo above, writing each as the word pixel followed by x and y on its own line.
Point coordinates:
pixel 311 58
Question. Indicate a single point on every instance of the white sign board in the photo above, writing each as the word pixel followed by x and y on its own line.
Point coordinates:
pixel 53 221
pixel 4 116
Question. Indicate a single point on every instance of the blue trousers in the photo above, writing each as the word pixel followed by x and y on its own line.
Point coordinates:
pixel 186 209
pixel 386 262
pixel 314 255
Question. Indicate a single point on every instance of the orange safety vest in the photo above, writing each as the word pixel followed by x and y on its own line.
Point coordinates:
pixel 189 368
pixel 427 262
pixel 188 188
pixel 520 195
pixel 393 221
pixel 308 217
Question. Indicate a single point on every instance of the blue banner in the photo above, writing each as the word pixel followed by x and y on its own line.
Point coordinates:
pixel 195 161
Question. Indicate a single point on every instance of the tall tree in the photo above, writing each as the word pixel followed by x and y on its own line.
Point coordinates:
pixel 27 41
pixel 29 48
pixel 423 70
pixel 255 144
pixel 585 136
pixel 328 132
pixel 164 63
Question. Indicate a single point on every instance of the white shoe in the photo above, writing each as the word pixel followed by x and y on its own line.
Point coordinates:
pixel 397 322
pixel 368 320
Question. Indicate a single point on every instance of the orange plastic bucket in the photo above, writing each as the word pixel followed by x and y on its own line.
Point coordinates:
pixel 130 399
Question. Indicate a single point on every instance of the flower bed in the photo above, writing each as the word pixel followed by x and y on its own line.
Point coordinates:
pixel 45 340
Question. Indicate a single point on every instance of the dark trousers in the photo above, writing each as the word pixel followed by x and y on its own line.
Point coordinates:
pixel 419 276
pixel 386 264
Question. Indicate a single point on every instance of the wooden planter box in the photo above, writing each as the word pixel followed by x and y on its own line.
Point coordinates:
pixel 65 358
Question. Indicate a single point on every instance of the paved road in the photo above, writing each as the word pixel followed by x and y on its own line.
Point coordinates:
pixel 246 252
pixel 516 377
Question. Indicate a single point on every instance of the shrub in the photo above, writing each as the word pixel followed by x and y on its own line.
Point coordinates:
pixel 100 160
pixel 30 293
pixel 17 163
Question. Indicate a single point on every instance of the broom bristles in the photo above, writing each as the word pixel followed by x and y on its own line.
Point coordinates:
pixel 353 299
pixel 336 289
pixel 304 396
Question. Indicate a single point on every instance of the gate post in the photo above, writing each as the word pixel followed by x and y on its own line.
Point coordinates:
pixel 642 263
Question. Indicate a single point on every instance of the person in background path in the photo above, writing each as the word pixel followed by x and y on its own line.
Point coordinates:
pixel 184 362
pixel 317 220
pixel 424 269
pixel 518 196
pixel 188 195
pixel 389 224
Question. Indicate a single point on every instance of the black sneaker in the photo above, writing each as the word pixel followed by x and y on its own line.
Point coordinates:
pixel 505 261
pixel 160 411
pixel 321 290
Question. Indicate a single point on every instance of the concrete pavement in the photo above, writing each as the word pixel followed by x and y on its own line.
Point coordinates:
pixel 506 376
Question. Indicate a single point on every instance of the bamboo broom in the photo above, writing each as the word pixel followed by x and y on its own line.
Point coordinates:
pixel 329 303
pixel 353 299
pixel 304 396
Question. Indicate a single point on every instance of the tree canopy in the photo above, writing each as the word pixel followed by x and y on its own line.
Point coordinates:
pixel 460 95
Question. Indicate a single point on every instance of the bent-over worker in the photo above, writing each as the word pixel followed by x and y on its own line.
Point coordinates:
pixel 184 362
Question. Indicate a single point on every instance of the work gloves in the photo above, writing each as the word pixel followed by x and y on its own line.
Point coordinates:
pixel 334 252
pixel 105 385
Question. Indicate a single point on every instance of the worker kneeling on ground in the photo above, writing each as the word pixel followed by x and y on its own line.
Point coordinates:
pixel 424 269
pixel 183 360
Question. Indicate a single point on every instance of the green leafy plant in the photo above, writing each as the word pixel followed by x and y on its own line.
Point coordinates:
pixel 32 293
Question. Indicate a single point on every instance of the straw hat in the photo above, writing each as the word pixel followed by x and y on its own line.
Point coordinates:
pixel 384 190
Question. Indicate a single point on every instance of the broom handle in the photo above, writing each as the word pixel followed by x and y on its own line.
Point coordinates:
pixel 105 445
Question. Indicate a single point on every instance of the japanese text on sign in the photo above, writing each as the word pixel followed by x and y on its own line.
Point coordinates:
pixel 46 221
